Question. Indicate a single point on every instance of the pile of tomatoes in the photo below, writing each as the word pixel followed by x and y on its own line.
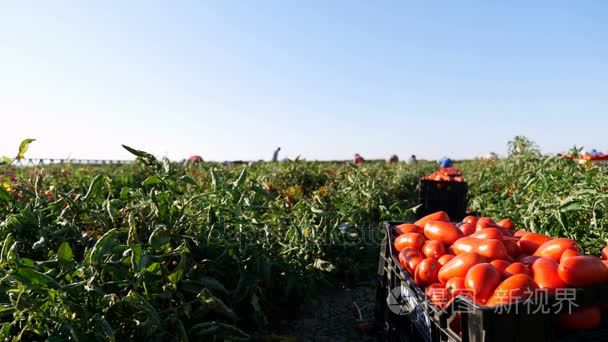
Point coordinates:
pixel 492 263
pixel 446 174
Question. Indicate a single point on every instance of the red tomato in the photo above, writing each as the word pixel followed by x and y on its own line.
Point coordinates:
pixel 426 272
pixel 514 288
pixel 546 275
pixel 413 262
pixel 529 242
pixel 506 224
pixel 445 258
pixel 553 249
pixel 466 228
pixel 488 233
pixel 465 245
pixel 470 219
pixel 433 249
pixel 437 294
pixel 482 279
pixel 413 240
pixel 492 249
pixel 582 271
pixel 580 318
pixel 437 216
pixel 567 254
pixel 445 232
pixel 484 222
pixel 528 260
pixel 500 265
pixel 455 287
pixel 458 266
pixel 605 253
pixel 512 247
pixel 516 268
pixel 408 228
pixel 520 233
pixel 406 255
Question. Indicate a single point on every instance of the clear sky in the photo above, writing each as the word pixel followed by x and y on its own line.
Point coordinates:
pixel 324 79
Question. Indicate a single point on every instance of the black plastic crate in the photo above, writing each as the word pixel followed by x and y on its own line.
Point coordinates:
pixel 477 323
pixel 448 196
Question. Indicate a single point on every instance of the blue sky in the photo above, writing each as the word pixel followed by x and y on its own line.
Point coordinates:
pixel 323 79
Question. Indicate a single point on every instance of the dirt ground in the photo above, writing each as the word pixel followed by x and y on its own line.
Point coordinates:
pixel 342 315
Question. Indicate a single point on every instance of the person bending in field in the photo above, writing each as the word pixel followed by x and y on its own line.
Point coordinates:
pixel 394 159
pixel 358 159
pixel 275 155
pixel 413 159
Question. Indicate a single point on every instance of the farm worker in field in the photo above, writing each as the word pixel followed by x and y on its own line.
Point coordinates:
pixel 413 159
pixel 275 155
pixel 393 159
pixel 358 159
pixel 195 159
pixel 445 162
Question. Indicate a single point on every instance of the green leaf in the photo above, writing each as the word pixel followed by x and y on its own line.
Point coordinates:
pixel 103 246
pixel 6 160
pixel 177 275
pixel 241 179
pixel 187 179
pixel 145 156
pixel 25 144
pixel 95 186
pixel 34 278
pixel 159 238
pixel 152 180
pixel 64 254
pixel 5 196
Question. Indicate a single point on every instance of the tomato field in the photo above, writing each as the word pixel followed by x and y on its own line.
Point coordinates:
pixel 157 250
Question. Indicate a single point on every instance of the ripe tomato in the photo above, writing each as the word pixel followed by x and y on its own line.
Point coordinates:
pixel 455 287
pixel 553 249
pixel 406 255
pixel 546 275
pixel 482 279
pixel 426 272
pixel 581 271
pixel 484 222
pixel 413 240
pixel 529 242
pixel 437 216
pixel 516 268
pixel 488 233
pixel 579 318
pixel 605 253
pixel 458 266
pixel 437 294
pixel 445 258
pixel 466 228
pixel 520 233
pixel 492 249
pixel 512 247
pixel 465 245
pixel 408 228
pixel 514 288
pixel 412 264
pixel 506 224
pixel 567 254
pixel 500 265
pixel 445 232
pixel 433 249
pixel 528 260
pixel 470 219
